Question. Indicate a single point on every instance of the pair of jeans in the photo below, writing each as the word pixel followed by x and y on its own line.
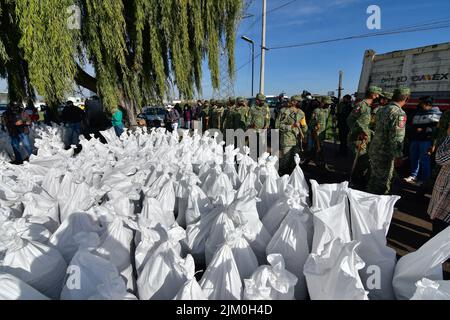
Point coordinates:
pixel 74 133
pixel 187 124
pixel 119 129
pixel 15 142
pixel 420 160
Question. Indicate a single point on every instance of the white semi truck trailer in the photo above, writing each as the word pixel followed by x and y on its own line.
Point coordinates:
pixel 426 70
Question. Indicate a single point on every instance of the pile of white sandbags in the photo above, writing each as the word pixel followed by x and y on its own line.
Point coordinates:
pixel 152 216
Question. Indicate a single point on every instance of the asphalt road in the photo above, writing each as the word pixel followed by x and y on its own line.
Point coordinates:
pixel 410 227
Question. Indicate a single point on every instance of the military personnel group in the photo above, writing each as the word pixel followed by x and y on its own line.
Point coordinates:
pixel 376 130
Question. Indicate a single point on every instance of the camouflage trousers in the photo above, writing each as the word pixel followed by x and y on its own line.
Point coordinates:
pixel 287 162
pixel 382 175
pixel 361 172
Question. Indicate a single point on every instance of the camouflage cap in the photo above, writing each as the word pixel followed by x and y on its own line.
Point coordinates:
pixel 326 100
pixel 387 95
pixel 402 92
pixel 260 97
pixel 374 89
pixel 240 100
pixel 231 99
pixel 296 98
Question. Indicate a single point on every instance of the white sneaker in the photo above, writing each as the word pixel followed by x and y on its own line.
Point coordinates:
pixel 410 179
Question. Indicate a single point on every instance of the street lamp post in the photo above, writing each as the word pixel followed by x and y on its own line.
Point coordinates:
pixel 253 59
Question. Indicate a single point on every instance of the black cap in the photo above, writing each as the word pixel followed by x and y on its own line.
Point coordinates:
pixel 428 100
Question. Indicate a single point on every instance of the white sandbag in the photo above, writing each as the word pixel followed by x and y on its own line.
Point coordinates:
pixel 333 274
pixel 151 237
pixel 63 238
pixel 243 254
pixel 81 200
pixel 327 195
pixel 334 219
pixel 216 182
pixel 298 181
pixel 115 246
pixel 12 288
pixel 87 272
pixel 268 195
pixel 292 241
pixel 245 162
pixel 221 226
pixel 245 215
pixel 113 289
pixel 370 212
pixel 370 218
pixel 221 280
pixel 153 211
pixel 52 182
pixel 432 290
pixel 40 266
pixel 191 290
pixel 163 274
pixel 166 196
pixel 198 233
pixel 424 263
pixel 198 204
pixel 25 230
pixel 40 205
pixel 280 208
pixel 272 282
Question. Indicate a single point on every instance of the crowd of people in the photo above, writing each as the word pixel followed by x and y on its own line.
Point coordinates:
pixel 79 120
pixel 373 130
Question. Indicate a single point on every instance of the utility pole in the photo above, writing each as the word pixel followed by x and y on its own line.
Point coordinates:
pixel 263 49
pixel 340 89
pixel 252 43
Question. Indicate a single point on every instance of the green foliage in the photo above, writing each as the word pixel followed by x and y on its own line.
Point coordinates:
pixel 139 49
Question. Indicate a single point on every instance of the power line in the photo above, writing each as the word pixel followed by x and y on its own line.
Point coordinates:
pixel 268 11
pixel 400 30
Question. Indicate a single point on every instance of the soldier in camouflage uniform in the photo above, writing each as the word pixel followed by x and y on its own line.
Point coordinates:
pixel 384 99
pixel 291 122
pixel 360 135
pixel 318 128
pixel 206 114
pixel 240 115
pixel 387 144
pixel 228 114
pixel 217 116
pixel 260 114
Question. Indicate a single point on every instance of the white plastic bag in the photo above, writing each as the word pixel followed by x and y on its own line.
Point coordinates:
pixel 432 290
pixel 292 241
pixel 424 263
pixel 243 254
pixel 191 290
pixel 370 218
pixel 333 274
pixel 221 280
pixel 89 273
pixel 298 181
pixel 40 266
pixel 115 246
pixel 63 238
pixel 12 288
pixel 163 274
pixel 153 211
pixel 272 282
pixel 327 195
pixel 333 219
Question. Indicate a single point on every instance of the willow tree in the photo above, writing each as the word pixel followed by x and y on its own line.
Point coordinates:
pixel 139 49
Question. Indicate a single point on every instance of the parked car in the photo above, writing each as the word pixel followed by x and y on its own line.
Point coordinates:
pixel 154 116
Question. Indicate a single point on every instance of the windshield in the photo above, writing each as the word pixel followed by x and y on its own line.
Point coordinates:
pixel 155 112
